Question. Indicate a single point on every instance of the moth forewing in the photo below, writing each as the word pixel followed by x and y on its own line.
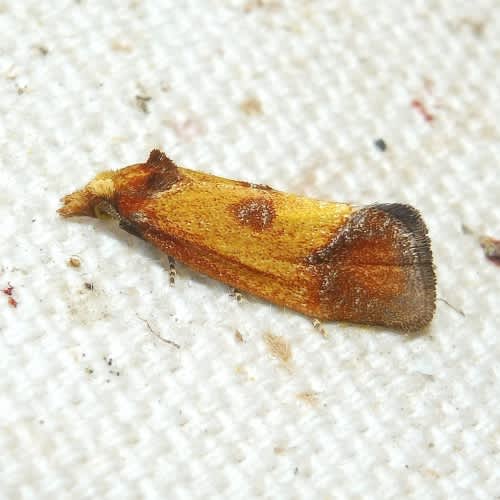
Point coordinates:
pixel 328 260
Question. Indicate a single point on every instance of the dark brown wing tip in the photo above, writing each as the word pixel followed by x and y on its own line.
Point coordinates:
pixel 410 218
pixel 378 269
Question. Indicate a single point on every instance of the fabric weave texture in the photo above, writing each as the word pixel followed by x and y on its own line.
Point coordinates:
pixel 338 100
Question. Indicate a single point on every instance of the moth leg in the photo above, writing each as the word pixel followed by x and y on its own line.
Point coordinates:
pixel 236 294
pixel 104 210
pixel 130 227
pixel 172 272
pixel 319 327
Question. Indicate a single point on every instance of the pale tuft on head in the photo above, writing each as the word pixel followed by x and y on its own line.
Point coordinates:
pixel 102 187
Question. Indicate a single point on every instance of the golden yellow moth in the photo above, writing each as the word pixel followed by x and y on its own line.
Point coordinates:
pixel 332 261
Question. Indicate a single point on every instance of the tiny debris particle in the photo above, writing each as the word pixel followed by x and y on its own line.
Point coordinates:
pixel 88 285
pixel 42 49
pixel 279 348
pixel 121 46
pixel 238 336
pixel 157 335
pixel 476 26
pixel 8 290
pixel 74 261
pixel 466 229
pixel 456 309
pixel 491 248
pixel 380 145
pixel 252 5
pixel 419 106
pixel 251 106
pixel 90 371
pixel 142 102
pixel 241 370
pixel 309 397
pixel 12 73
pixel 428 84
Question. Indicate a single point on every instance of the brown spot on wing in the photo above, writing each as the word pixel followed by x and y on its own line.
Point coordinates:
pixel 378 269
pixel 257 213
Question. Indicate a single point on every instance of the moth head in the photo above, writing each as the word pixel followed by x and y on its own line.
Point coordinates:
pixel 86 201
pixel 140 181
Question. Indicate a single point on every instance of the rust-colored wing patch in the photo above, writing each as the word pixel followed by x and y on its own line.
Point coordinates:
pixel 378 269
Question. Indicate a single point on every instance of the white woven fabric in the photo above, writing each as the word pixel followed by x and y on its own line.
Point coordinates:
pixel 287 93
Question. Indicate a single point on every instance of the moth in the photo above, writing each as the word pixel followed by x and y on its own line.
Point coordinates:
pixel 327 260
